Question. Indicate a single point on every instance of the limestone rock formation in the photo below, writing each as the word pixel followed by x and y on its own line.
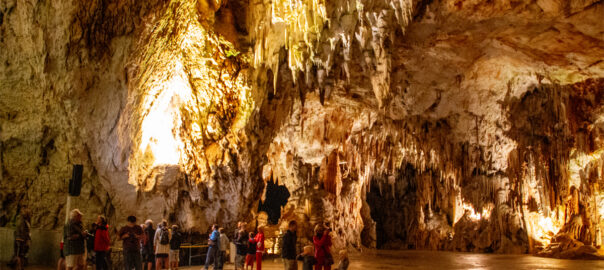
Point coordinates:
pixel 448 125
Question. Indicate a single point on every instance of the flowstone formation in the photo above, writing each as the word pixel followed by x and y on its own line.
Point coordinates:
pixel 445 125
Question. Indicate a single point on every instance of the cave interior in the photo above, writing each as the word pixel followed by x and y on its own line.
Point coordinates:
pixel 449 125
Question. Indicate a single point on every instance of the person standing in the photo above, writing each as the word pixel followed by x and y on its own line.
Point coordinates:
pixel 61 263
pixel 251 252
pixel 259 240
pixel 131 235
pixel 90 254
pixel 175 243
pixel 101 243
pixel 162 246
pixel 213 247
pixel 307 258
pixel 241 243
pixel 288 249
pixel 322 242
pixel 224 244
pixel 147 245
pixel 344 261
pixel 74 238
pixel 22 240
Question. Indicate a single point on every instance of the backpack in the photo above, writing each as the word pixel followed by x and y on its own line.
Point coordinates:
pixel 164 237
pixel 145 238
pixel 175 241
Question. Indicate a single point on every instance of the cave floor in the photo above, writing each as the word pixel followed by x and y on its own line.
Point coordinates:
pixel 395 259
pixel 387 259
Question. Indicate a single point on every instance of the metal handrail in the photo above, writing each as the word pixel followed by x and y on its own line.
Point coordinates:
pixel 190 247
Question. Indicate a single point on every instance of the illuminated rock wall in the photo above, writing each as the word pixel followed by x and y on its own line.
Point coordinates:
pixel 443 153
pixel 451 125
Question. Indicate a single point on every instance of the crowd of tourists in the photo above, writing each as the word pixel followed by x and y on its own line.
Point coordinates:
pixel 317 255
pixel 142 245
pixel 146 247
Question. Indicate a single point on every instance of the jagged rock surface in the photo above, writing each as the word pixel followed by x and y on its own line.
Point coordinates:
pixel 452 124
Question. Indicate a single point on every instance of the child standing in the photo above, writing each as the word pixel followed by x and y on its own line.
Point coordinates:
pixel 344 262
pixel 251 253
pixel 307 258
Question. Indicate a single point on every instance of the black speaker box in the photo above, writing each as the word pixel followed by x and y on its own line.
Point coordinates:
pixel 75 184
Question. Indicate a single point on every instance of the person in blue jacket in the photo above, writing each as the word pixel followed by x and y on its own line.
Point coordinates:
pixel 213 247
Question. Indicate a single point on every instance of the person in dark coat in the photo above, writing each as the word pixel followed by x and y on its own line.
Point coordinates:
pixel 251 252
pixel 241 243
pixel 131 235
pixel 147 246
pixel 288 250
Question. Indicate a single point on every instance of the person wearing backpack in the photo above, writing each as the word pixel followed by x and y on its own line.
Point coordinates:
pixel 288 247
pixel 162 246
pixel 175 243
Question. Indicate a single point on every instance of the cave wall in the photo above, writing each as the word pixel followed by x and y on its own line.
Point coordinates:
pixel 449 110
pixel 478 123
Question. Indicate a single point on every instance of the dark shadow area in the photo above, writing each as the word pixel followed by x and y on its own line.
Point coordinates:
pixel 276 197
pixel 391 209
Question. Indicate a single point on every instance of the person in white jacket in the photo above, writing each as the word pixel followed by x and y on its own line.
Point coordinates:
pixel 224 245
pixel 161 240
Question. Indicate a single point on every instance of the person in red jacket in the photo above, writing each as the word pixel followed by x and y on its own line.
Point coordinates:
pixel 101 243
pixel 259 241
pixel 322 242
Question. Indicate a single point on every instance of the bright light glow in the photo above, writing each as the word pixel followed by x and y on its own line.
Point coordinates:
pixel 486 211
pixel 578 162
pixel 471 212
pixel 190 97
pixel 542 228
pixel 546 224
pixel 159 126
pixel 600 203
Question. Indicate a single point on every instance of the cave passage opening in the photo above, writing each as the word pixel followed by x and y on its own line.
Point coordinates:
pixel 276 196
pixel 392 209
